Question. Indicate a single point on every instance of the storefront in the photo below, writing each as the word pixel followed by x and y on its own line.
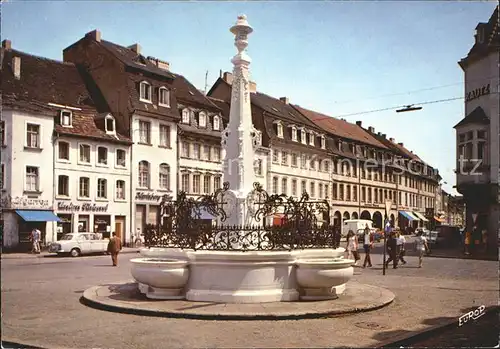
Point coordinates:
pixel 95 217
pixel 147 210
pixel 21 215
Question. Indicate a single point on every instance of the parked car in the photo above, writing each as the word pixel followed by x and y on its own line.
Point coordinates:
pixel 77 244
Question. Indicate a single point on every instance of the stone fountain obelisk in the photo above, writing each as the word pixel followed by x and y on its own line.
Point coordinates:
pixel 238 139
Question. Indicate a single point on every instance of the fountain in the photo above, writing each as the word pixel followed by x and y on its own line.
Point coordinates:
pixel 241 259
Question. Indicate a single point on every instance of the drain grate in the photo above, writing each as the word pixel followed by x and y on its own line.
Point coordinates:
pixel 371 325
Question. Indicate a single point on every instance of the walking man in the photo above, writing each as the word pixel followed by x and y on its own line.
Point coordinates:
pixel 35 238
pixel 421 246
pixel 401 247
pixel 367 245
pixel 114 247
pixel 392 247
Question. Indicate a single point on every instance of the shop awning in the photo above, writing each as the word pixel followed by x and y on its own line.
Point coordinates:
pixel 421 216
pixel 408 215
pixel 440 220
pixel 202 213
pixel 38 216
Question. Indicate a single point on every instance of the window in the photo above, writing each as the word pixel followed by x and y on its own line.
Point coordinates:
pixel 63 185
pixel 2 132
pixel 185 149
pixel 312 189
pixel 294 134
pixel 284 186
pixel 334 191
pixel 102 190
pixel 258 170
pixel 320 190
pixel 294 160
pixel 323 142
pixel 85 153
pixel 275 185
pixel 206 184
pixel 311 139
pixel 468 151
pixel 185 116
pixel 120 190
pixel 84 187
pixel 185 182
pixel 102 156
pixel 110 124
pixel 341 191
pixel 303 161
pixel 65 118
pixel 196 183
pixel 327 189
pixel 32 178
pixel 144 132
pixel 303 136
pixel 326 166
pixel 279 130
pixel 33 136
pixel 481 148
pixel 284 158
pixel 275 156
pixel 348 193
pixel 164 176
pixel 303 187
pixel 143 174
pixel 216 123
pixel 63 148
pixel 196 151
pixel 216 154
pixel 145 92
pixel 363 194
pixel 294 187
pixel 355 193
pixel 312 164
pixel 369 195
pixel 164 97
pixel 121 157
pixel 217 181
pixel 469 136
pixel 164 136
pixel 202 119
pixel 481 134
pixel 205 154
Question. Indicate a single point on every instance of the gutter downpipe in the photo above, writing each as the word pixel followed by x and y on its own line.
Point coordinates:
pixel 55 137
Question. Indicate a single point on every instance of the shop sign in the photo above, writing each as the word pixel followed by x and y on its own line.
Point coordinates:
pixel 478 92
pixel 145 196
pixel 87 207
pixel 24 202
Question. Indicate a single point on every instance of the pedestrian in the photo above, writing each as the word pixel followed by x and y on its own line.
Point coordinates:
pixel 352 247
pixel 114 247
pixel 401 241
pixel 35 239
pixel 367 245
pixel 467 241
pixel 484 238
pixel 421 246
pixel 392 247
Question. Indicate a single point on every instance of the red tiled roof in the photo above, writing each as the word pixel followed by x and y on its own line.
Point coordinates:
pixel 339 128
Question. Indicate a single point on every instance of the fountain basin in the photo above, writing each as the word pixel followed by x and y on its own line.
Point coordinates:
pixel 161 278
pixel 321 279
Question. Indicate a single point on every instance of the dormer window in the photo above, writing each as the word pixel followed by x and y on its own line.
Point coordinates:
pixel 216 123
pixel 164 97
pixel 202 119
pixel 323 142
pixel 294 134
pixel 145 92
pixel 278 129
pixel 185 116
pixel 110 124
pixel 303 136
pixel 311 139
pixel 339 145
pixel 66 118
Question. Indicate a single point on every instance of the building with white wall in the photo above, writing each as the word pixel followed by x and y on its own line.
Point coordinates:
pixel 478 146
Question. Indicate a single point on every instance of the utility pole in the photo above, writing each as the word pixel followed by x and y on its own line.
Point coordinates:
pixel 388 204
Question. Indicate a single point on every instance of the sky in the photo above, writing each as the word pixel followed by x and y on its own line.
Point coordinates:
pixel 337 58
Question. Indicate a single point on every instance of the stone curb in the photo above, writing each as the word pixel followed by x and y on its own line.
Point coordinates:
pixel 46 254
pixel 490 259
pixel 90 298
pixel 407 340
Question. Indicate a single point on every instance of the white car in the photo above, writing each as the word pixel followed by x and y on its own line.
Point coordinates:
pixel 77 244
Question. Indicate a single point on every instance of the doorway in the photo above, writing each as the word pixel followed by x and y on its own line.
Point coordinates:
pixel 120 226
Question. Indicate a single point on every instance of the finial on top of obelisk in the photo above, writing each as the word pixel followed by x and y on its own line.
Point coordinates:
pixel 241 30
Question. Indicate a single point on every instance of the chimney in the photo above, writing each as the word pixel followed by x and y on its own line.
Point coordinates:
pixel 371 129
pixel 228 77
pixel 359 123
pixel 401 144
pixel 16 67
pixel 253 87
pixel 284 100
pixel 384 135
pixel 7 44
pixel 391 139
pixel 135 48
pixel 159 63
pixel 95 34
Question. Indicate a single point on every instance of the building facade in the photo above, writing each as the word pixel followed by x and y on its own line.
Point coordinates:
pixel 478 147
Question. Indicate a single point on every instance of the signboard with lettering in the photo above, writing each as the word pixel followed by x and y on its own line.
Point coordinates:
pixel 478 92
pixel 24 202
pixel 86 207
pixel 145 196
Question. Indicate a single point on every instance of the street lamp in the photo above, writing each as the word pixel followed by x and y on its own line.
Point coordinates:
pixel 408 108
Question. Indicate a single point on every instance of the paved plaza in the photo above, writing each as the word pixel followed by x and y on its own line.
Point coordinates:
pixel 41 307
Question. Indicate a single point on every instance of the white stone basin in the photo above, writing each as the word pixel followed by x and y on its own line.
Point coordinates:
pixel 323 278
pixel 161 278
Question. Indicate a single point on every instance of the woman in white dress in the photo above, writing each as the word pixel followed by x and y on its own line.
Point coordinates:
pixel 352 246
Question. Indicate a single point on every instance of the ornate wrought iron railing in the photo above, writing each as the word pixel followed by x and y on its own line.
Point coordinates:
pixel 302 223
